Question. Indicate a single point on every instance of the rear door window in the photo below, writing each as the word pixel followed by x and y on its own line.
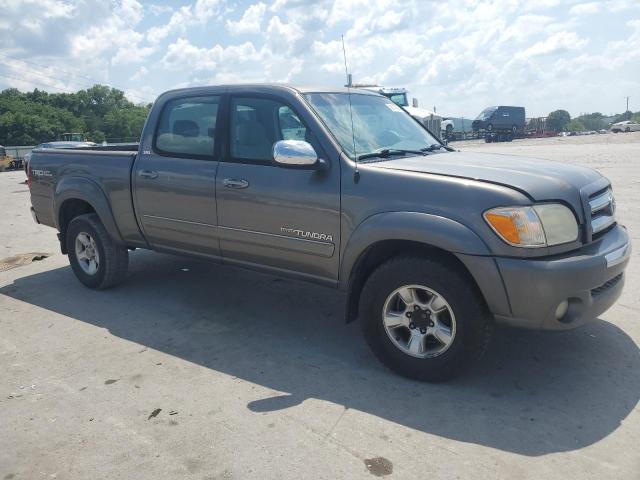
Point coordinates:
pixel 187 127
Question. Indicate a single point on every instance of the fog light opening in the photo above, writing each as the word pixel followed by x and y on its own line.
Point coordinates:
pixel 561 309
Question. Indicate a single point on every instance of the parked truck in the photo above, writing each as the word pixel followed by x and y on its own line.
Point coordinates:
pixel 431 246
pixel 430 119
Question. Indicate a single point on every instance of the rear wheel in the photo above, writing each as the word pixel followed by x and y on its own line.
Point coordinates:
pixel 423 319
pixel 95 258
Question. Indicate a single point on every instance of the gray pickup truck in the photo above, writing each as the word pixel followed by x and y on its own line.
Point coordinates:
pixel 344 188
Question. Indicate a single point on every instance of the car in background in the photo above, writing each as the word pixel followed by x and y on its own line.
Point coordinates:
pixel 446 127
pixel 626 126
pixel 500 119
pixel 70 144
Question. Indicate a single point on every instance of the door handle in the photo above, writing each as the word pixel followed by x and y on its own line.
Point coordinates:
pixel 148 174
pixel 234 183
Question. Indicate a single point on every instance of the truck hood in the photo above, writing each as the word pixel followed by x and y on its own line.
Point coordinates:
pixel 536 178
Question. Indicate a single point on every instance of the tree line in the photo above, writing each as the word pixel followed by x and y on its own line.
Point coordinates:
pixel 104 113
pixel 100 113
pixel 561 121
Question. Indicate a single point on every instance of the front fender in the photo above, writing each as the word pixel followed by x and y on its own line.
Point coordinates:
pixel 85 189
pixel 425 228
pixel 433 230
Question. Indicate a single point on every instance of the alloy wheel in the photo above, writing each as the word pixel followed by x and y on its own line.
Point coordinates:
pixel 87 253
pixel 419 321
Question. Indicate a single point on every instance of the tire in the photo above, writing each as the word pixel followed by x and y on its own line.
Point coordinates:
pixel 627 130
pixel 469 323
pixel 111 262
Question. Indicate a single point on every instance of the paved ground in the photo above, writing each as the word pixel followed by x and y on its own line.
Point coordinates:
pixel 199 371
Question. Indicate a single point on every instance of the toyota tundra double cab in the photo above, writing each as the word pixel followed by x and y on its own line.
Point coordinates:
pixel 344 188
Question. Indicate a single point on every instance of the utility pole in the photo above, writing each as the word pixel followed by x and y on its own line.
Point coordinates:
pixel 627 103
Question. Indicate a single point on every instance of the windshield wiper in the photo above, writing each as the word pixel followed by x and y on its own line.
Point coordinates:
pixel 436 146
pixel 386 153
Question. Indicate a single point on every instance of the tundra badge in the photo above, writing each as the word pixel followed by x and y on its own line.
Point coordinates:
pixel 306 234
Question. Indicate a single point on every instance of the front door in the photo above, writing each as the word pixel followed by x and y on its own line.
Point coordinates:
pixel 284 219
pixel 174 183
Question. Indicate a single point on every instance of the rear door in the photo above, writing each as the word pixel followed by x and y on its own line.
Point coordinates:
pixel 174 181
pixel 284 219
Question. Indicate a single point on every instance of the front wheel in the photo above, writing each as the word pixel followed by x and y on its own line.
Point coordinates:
pixel 97 261
pixel 423 318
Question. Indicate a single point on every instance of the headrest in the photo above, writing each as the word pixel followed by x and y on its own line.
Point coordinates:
pixel 186 128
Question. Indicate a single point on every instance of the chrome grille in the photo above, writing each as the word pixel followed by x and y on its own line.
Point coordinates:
pixel 603 206
pixel 432 122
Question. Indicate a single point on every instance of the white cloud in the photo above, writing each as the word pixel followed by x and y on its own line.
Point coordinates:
pixel 199 13
pixel 250 22
pixel 585 8
pixel 158 10
pixel 283 36
pixel 114 35
pixel 460 55
pixel 557 43
pixel 182 55
pixel 140 74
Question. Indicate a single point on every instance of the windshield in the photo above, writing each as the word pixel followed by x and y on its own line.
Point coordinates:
pixel 398 98
pixel 486 113
pixel 378 123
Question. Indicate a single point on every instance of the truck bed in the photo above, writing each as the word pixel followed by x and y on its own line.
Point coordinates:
pixel 96 172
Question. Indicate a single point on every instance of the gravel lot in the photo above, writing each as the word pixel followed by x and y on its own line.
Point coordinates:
pixel 200 371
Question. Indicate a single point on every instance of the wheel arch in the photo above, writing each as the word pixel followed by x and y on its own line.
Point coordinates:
pixel 75 196
pixel 386 235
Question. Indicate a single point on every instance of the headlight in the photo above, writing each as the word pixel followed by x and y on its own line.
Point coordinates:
pixel 537 226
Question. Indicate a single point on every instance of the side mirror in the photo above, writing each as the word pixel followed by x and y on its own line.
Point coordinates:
pixel 295 154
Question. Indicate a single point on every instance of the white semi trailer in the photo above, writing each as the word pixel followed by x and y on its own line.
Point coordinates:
pixel 434 122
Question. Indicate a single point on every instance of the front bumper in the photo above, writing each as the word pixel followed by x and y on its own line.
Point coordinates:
pixel 590 279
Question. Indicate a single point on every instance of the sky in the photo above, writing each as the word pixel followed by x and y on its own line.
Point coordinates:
pixel 459 56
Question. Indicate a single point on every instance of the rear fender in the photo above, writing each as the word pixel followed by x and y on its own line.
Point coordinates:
pixel 82 188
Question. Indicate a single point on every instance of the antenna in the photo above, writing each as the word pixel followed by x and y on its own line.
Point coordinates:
pixel 356 173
